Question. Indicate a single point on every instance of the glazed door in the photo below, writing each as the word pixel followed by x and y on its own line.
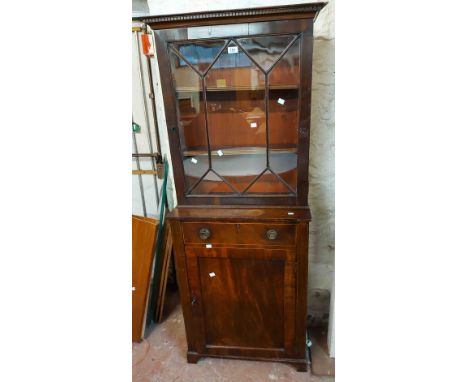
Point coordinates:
pixel 238 109
pixel 243 301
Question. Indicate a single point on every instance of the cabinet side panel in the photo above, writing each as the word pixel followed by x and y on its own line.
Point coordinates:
pixel 301 292
pixel 307 41
pixel 182 280
pixel 196 304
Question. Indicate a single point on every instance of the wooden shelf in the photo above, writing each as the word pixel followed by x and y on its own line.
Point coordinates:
pixel 232 129
pixel 241 151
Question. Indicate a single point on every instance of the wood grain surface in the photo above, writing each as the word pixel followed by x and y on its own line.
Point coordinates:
pixel 144 232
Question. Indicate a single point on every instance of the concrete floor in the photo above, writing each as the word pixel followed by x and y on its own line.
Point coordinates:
pixel 161 357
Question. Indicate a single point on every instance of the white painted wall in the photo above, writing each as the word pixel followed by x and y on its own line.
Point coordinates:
pixel 322 148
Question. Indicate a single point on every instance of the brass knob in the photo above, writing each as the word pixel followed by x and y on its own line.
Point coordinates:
pixel 272 234
pixel 204 233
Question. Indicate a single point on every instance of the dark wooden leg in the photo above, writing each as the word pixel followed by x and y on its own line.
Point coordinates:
pixel 192 357
pixel 302 367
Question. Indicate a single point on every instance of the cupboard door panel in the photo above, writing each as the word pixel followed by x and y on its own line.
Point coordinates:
pixel 245 303
pixel 239 310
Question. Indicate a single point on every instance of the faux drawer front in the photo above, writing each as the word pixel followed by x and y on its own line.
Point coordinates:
pixel 240 233
pixel 284 254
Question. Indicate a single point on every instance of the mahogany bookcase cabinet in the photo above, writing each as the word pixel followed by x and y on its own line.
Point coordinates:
pixel 237 96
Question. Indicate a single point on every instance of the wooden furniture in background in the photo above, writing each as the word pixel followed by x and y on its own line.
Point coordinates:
pixel 237 96
pixel 144 232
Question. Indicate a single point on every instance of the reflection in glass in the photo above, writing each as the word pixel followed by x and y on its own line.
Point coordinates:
pixel 200 54
pixel 265 50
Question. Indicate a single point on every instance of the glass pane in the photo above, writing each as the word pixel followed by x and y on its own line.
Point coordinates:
pixel 240 169
pixel 232 122
pixel 191 120
pixel 200 54
pixel 265 50
pixel 268 183
pixel 283 114
pixel 212 184
pixel 236 117
pixel 284 164
pixel 233 70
